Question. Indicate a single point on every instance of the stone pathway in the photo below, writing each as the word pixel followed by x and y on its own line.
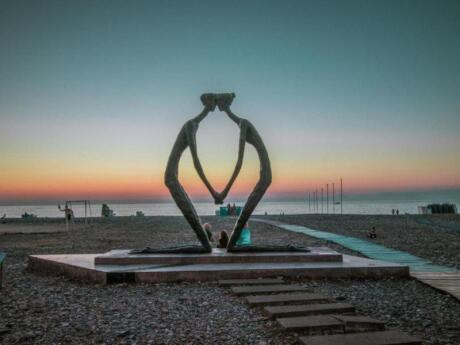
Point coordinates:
pixel 315 317
pixel 443 278
pixel 251 290
pixel 308 309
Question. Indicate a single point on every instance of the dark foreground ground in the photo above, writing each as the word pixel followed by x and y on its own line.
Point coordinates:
pixel 53 310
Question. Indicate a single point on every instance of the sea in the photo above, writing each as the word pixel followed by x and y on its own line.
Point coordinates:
pixel 379 203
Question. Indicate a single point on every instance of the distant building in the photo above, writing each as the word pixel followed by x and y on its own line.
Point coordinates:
pixel 437 209
pixel 423 210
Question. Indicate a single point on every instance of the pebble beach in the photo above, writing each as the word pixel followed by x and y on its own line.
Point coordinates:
pixel 38 309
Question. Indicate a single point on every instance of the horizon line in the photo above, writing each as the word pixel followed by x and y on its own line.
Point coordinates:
pixel 279 196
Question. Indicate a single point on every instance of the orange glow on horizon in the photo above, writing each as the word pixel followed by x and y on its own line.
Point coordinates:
pixel 153 188
pixel 140 178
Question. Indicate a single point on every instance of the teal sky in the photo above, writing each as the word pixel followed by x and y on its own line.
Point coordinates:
pixel 367 90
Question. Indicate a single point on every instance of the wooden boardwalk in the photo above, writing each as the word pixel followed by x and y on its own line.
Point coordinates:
pixel 442 278
pixel 447 282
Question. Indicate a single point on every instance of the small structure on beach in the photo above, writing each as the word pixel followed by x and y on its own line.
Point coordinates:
pixel 224 211
pixel 106 211
pixel 438 209
pixel 27 215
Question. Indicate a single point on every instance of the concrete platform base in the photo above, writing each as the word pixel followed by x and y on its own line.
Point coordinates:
pixel 218 256
pixel 87 267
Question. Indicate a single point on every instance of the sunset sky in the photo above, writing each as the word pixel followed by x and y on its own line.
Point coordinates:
pixel 93 94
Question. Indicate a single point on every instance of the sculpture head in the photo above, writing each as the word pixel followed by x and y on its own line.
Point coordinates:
pixel 209 101
pixel 224 100
pixel 221 100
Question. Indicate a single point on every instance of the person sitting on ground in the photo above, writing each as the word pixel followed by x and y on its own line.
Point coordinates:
pixel 207 227
pixel 223 240
pixel 372 233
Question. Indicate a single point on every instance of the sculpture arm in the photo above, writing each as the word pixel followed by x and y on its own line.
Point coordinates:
pixel 191 138
pixel 239 163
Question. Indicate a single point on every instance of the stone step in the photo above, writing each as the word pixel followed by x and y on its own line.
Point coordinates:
pixel 257 289
pixel 354 323
pixel 260 281
pixel 311 324
pixel 331 323
pixel 294 298
pixel 308 309
pixel 339 323
pixel 371 338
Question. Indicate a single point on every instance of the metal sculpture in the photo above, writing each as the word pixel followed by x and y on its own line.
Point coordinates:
pixel 187 139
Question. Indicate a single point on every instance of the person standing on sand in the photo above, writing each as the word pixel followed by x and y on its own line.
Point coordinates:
pixel 68 212
pixel 223 239
pixel 207 227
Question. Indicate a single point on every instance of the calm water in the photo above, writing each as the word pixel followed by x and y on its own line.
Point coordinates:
pixel 364 204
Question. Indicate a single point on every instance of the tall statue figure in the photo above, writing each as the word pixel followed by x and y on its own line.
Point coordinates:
pixel 249 134
pixel 187 139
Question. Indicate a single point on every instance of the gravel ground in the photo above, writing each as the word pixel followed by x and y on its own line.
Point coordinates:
pixel 430 237
pixel 38 309
pixel 405 304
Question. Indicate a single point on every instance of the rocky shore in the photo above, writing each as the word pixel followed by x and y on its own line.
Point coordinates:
pixel 38 309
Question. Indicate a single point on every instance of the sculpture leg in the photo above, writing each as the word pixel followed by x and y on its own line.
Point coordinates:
pixel 246 213
pixel 185 205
